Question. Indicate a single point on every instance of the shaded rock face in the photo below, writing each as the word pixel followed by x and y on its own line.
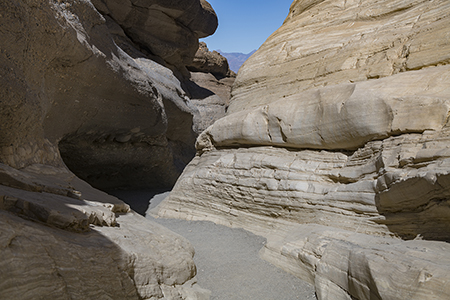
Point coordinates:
pixel 168 29
pixel 209 86
pixel 117 118
pixel 336 148
pixel 66 73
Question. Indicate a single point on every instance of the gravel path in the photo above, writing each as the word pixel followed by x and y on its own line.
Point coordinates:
pixel 227 259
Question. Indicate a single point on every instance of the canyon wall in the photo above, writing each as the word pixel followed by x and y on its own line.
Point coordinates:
pixel 336 148
pixel 98 84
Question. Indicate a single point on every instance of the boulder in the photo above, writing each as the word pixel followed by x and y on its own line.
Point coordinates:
pixel 209 86
pixel 60 237
pixel 335 147
pixel 209 62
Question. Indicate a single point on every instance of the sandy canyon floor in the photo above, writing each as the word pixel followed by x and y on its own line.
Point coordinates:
pixel 227 259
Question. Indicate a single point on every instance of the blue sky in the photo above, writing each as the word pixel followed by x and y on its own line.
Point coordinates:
pixel 245 24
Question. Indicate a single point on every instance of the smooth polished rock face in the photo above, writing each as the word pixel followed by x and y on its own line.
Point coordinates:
pixel 394 187
pixel 336 147
pixel 67 90
pixel 330 42
pixel 106 107
pixel 344 116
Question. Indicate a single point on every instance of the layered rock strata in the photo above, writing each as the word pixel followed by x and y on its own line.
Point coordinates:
pixel 62 238
pixel 336 148
pixel 329 42
pixel 60 246
pixel 118 118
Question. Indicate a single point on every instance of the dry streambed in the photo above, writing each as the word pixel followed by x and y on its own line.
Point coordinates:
pixel 227 259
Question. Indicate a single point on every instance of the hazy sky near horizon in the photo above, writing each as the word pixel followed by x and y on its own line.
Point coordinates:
pixel 245 24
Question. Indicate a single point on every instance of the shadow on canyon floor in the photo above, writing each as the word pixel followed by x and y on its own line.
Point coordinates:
pixel 138 200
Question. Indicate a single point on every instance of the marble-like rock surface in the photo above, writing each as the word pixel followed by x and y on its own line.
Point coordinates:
pixel 394 187
pixel 336 148
pixel 330 216
pixel 326 42
pixel 344 116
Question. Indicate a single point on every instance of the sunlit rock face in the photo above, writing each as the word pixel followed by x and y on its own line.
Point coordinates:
pixel 336 147
pixel 331 42
pixel 118 118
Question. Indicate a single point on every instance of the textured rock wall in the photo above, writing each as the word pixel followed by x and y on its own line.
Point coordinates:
pixel 390 187
pixel 119 117
pixel 62 69
pixel 206 61
pixel 336 148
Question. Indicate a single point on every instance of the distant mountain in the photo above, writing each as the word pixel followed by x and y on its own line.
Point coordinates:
pixel 235 60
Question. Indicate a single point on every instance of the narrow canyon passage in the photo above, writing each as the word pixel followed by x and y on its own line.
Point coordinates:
pixel 227 259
